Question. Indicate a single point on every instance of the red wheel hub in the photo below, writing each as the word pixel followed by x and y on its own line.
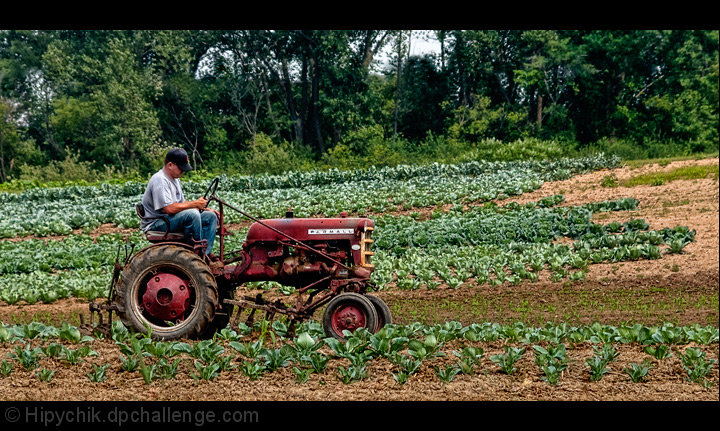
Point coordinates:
pixel 348 317
pixel 167 297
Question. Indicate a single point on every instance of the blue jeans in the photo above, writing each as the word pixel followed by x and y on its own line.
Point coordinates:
pixel 195 224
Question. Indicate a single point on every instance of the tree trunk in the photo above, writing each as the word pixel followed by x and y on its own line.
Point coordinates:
pixel 539 110
pixel 314 112
pixel 290 101
pixel 397 83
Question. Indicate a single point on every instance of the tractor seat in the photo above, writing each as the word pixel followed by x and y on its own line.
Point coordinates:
pixel 161 235
pixel 158 235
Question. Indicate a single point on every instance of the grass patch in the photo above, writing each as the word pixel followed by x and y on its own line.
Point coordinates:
pixel 664 161
pixel 682 173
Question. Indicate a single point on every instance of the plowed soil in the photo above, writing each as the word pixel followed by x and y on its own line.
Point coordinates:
pixel 681 289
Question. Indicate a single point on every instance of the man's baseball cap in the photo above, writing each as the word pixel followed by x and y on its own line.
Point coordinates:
pixel 180 158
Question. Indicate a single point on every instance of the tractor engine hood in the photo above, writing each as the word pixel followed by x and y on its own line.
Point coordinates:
pixel 310 229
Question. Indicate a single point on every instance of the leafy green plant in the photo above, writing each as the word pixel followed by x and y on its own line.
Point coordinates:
pixel 427 349
pixel 72 334
pixel 384 344
pixel 301 375
pixel 52 350
pixel 205 372
pixel 129 363
pixel 276 358
pixel 607 352
pixel 45 375
pixel 167 369
pixel 609 180
pixel 469 358
pixel 5 334
pixel 249 350
pixel 598 367
pixel 638 372
pixel 98 373
pixel 507 360
pixel 448 373
pixel 319 362
pixel 552 372
pixel 696 364
pixel 6 368
pixel 73 356
pixel 28 358
pixel 148 372
pixel 660 351
pixel 553 354
pixel 252 369
pixel 351 374
pixel 305 344
pixel 208 351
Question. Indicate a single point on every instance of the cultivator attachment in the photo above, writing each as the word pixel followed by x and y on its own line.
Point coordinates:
pixel 101 312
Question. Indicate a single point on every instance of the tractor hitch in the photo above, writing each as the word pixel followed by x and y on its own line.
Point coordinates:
pixel 98 323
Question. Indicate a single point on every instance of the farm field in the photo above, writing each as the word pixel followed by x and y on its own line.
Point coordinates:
pixel 572 280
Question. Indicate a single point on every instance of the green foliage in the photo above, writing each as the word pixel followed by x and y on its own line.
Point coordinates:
pixel 598 367
pixel 696 364
pixel 45 375
pixel 638 372
pixel 507 360
pixel 121 98
pixel 98 373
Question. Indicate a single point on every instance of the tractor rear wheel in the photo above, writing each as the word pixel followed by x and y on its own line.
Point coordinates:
pixel 168 290
pixel 349 311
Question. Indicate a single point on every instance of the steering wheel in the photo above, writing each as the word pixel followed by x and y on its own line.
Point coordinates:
pixel 213 186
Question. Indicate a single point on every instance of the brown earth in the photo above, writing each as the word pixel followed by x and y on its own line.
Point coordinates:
pixel 682 289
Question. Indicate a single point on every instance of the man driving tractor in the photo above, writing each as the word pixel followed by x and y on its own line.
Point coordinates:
pixel 164 200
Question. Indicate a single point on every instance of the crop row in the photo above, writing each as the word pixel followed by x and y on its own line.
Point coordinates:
pixel 43 212
pixel 410 349
pixel 551 170
pixel 489 244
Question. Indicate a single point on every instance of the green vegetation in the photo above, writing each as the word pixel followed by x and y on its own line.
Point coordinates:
pixel 483 242
pixel 93 105
pixel 680 173
pixel 408 348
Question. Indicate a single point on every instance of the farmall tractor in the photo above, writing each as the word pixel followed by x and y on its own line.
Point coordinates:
pixel 174 290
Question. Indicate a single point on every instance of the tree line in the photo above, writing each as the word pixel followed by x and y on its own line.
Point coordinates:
pixel 120 98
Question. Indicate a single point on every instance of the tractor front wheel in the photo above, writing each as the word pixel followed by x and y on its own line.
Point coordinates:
pixel 168 290
pixel 349 311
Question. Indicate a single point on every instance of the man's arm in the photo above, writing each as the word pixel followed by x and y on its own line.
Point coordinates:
pixel 175 208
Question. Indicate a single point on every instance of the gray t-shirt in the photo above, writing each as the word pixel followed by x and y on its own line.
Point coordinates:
pixel 161 191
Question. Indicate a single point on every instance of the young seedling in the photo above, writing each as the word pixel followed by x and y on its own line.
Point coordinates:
pixel 205 372
pixel 351 374
pixel 661 351
pixel 608 353
pixel 5 368
pixel 552 372
pixel 638 372
pixel 469 357
pixel 696 365
pixel 45 375
pixel 129 363
pixel 276 358
pixel 448 373
pixel 301 375
pixel 252 369
pixel 167 370
pixel 98 374
pixel 27 358
pixel 148 372
pixel 507 360
pixel 598 367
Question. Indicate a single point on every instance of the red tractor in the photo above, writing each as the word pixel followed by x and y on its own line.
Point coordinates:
pixel 172 288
